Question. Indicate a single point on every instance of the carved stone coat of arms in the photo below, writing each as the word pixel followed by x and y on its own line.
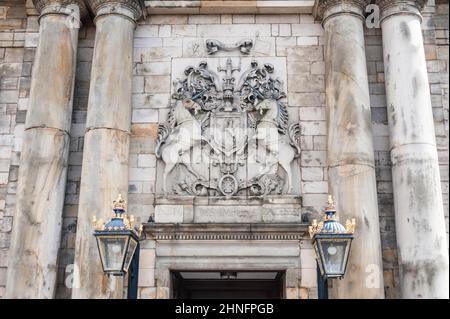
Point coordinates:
pixel 226 136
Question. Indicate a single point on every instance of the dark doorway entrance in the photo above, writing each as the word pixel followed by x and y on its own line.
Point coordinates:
pixel 227 285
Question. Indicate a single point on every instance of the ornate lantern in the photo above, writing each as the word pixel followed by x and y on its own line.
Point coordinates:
pixel 117 239
pixel 332 241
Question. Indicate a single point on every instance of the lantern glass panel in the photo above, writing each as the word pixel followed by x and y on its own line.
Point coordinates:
pixel 112 252
pixel 130 252
pixel 333 255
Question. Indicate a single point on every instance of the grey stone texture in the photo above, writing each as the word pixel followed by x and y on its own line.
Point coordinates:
pixel 157 40
pixel 14 90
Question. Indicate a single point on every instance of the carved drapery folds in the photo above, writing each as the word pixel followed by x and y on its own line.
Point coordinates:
pixel 235 132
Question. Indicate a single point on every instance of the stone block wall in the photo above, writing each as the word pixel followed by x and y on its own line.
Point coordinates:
pixel 15 71
pixel 158 39
pixel 163 37
pixel 441 23
pixel 375 70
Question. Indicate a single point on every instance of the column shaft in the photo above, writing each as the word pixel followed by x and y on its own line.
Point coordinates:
pixel 32 267
pixel 351 168
pixel 106 146
pixel 419 212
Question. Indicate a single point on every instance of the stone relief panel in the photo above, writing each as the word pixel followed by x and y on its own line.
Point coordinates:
pixel 228 131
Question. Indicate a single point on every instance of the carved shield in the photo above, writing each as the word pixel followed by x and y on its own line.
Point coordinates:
pixel 228 132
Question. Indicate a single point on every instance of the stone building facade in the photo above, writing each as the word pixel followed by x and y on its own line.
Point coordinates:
pixel 88 91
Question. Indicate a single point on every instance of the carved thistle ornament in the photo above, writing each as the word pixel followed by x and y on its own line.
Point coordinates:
pixel 228 136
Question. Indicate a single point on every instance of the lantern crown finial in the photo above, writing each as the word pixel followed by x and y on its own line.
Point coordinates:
pixel 331 207
pixel 329 224
pixel 120 220
pixel 119 203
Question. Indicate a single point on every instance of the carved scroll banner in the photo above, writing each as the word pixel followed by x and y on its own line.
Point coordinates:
pixel 214 46
pixel 228 130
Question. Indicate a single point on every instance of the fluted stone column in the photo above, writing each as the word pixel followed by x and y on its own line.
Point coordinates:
pixel 106 143
pixel 35 242
pixel 419 212
pixel 351 168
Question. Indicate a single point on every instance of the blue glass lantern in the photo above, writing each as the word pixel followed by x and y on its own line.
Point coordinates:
pixel 116 240
pixel 332 242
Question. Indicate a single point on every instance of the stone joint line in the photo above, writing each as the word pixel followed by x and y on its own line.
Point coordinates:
pixel 43 126
pixel 92 128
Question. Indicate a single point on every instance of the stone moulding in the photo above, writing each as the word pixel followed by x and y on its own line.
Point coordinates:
pixel 222 201
pixel 419 4
pixel 322 7
pixel 392 8
pixel 229 7
pixel 223 231
pixel 136 7
pixel 61 6
pixel 41 4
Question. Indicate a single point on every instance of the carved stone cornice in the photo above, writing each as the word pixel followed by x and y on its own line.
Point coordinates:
pixel 324 9
pixel 394 7
pixel 221 231
pixel 60 7
pixel 132 9
pixel 419 4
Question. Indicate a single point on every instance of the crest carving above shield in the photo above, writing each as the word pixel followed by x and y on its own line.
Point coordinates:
pixel 227 135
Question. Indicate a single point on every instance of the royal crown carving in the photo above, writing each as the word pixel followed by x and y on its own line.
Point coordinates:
pixel 228 136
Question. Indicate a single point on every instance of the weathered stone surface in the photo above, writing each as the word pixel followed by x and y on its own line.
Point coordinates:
pixel 43 168
pixel 175 36
pixel 420 225
pixel 350 150
pixel 305 53
pixel 146 277
pixel 169 214
pixel 149 130
pixel 106 148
